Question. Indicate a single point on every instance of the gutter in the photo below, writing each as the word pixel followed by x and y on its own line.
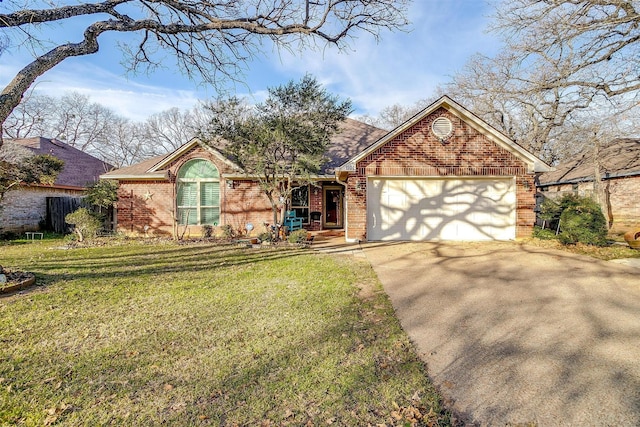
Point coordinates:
pixel 55 187
pixel 242 176
pixel 606 176
pixel 146 177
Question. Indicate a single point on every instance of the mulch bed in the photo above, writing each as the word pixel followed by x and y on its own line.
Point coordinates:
pixel 16 280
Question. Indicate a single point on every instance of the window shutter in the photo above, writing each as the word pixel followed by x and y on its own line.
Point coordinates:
pixel 187 194
pixel 210 194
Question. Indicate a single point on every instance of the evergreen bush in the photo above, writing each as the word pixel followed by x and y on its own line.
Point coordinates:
pixel 582 221
pixel 298 236
pixel 85 223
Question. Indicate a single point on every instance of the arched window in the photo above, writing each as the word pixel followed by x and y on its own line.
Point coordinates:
pixel 198 193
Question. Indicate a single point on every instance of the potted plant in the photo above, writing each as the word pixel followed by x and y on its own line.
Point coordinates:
pixel 632 237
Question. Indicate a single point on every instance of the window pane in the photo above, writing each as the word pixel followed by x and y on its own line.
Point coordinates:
pixel 210 194
pixel 187 216
pixel 210 216
pixel 302 213
pixel 198 168
pixel 187 194
pixel 300 196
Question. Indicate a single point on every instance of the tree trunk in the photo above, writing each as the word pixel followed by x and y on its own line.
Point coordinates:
pixel 600 192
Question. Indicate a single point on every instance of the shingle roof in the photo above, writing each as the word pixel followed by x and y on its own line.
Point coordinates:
pixel 80 168
pixel 136 169
pixel 620 157
pixel 354 136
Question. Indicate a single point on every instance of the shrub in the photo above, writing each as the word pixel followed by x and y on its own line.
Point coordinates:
pixel 582 221
pixel 298 236
pixel 227 231
pixel 265 237
pixel 207 231
pixel 550 211
pixel 103 193
pixel 544 233
pixel 85 223
pixel 8 235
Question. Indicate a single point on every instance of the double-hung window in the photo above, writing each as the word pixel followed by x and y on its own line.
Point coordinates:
pixel 198 193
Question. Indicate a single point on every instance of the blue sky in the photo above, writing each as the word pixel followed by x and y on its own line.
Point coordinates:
pixel 401 68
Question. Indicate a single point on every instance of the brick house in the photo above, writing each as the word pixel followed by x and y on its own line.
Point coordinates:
pixel 444 174
pixel 25 209
pixel 196 185
pixel 620 173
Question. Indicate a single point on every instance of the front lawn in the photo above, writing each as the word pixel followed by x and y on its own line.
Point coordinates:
pixel 200 334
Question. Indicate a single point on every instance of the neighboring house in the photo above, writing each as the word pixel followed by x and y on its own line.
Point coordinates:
pixel 444 174
pixel 25 208
pixel 620 173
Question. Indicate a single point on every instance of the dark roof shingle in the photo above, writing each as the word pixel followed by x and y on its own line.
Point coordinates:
pixel 354 136
pixel 620 157
pixel 80 168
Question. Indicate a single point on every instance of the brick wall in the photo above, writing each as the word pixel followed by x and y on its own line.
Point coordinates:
pixel 315 205
pixel 23 209
pixel 417 152
pixel 624 196
pixel 152 203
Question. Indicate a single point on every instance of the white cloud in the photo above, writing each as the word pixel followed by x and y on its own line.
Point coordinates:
pixel 402 68
pixel 127 98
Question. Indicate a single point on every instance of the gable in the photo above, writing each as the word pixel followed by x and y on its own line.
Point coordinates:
pixel 161 167
pixel 417 151
pixel 190 146
pixel 473 144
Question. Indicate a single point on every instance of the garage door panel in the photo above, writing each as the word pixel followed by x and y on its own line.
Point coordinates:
pixel 436 209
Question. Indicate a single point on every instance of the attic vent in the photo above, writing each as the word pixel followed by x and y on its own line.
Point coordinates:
pixel 442 128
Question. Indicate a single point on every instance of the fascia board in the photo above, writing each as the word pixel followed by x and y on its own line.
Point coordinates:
pixel 157 176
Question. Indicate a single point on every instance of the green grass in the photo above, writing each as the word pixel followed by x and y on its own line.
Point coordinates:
pixel 200 334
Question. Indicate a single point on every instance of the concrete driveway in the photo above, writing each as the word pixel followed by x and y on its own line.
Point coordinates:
pixel 514 334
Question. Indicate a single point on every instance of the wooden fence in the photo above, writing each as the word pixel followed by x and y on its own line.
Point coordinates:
pixel 57 209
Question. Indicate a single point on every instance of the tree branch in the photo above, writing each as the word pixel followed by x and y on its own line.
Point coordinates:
pixel 210 39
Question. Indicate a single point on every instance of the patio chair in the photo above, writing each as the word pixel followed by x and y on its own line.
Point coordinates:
pixel 292 222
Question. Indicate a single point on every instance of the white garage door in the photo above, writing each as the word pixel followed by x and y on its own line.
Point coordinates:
pixel 441 209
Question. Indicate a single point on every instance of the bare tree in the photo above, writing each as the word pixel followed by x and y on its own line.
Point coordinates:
pixel 169 129
pixel 81 123
pixel 98 130
pixel 31 118
pixel 564 62
pixel 125 144
pixel 394 115
pixel 596 41
pixel 212 40
pixel 509 97
pixel 72 118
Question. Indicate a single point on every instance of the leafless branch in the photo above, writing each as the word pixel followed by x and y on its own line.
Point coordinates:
pixel 210 40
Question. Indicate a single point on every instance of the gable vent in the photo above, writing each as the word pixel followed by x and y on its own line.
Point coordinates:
pixel 442 128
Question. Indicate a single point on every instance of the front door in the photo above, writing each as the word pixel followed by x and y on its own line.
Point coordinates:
pixel 332 217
